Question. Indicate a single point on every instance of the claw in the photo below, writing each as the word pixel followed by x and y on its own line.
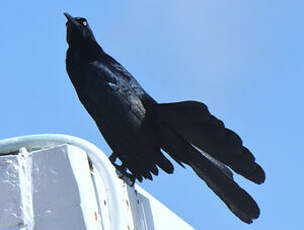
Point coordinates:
pixel 113 158
pixel 121 171
pixel 130 181
pixel 128 178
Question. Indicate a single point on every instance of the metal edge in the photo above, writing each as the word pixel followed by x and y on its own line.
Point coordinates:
pixel 98 158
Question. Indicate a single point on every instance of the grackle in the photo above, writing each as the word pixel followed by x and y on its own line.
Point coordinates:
pixel 139 130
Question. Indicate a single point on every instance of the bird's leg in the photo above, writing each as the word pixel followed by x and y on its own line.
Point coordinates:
pixel 113 158
pixel 121 171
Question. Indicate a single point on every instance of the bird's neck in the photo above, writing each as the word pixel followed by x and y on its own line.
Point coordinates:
pixel 88 52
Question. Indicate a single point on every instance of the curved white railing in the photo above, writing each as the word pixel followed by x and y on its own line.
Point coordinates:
pixel 97 157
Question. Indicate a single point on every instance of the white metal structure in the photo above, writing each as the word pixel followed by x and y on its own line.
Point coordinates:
pixel 47 183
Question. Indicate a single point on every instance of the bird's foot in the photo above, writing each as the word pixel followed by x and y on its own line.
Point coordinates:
pixel 121 171
pixel 128 178
pixel 113 158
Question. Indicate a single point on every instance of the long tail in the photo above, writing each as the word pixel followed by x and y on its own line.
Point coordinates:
pixel 194 123
pixel 183 125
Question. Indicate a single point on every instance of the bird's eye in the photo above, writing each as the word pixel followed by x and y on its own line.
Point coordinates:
pixel 84 23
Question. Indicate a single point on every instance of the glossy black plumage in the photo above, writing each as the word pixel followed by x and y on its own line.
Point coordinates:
pixel 138 129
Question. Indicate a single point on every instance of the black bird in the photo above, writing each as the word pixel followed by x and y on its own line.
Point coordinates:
pixel 138 129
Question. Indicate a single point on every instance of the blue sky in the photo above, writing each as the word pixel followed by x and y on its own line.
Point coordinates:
pixel 243 58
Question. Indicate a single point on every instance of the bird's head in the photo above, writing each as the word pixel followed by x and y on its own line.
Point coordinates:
pixel 78 31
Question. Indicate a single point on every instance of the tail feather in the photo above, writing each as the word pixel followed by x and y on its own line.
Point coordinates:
pixel 164 163
pixel 237 199
pixel 193 122
pixel 219 164
pixel 154 170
